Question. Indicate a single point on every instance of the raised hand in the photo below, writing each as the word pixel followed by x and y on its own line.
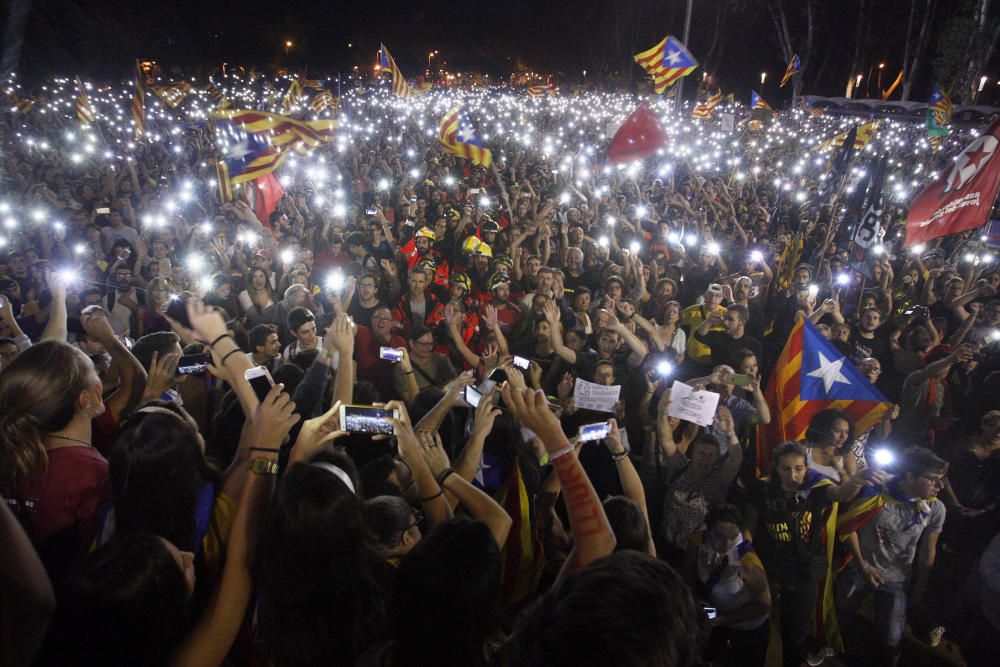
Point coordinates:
pixel 275 418
pixel 316 432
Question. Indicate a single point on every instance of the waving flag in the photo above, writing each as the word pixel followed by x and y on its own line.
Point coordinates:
pixel 704 110
pixel 666 62
pixel 293 96
pixel 862 135
pixel 84 110
pixel 218 97
pixel 323 101
pixel 173 94
pixel 139 103
pixel 638 137
pixel 938 116
pixel 259 142
pixel 758 102
pixel 962 197
pixel 794 67
pixel 543 90
pixel 811 375
pixel 459 138
pixel 399 86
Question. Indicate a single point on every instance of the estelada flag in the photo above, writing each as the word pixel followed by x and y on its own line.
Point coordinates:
pixel 812 375
pixel 962 198
pixel 638 137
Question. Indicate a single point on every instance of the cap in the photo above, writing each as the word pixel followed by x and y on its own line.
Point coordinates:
pixel 714 288
pixel 426 233
pixel 461 279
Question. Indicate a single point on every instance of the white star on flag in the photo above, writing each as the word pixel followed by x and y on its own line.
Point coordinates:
pixel 829 372
pixel 673 57
pixel 465 133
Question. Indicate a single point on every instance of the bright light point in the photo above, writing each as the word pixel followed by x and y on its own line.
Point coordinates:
pixel 611 221
pixel 68 276
pixel 414 173
pixel 713 248
pixel 664 368
pixel 641 212
pixel 286 256
pixel 918 249
pixel 813 291
pixel 335 281
pixel 383 184
pixel 484 202
pixel 564 198
pixel 843 279
pixel 339 210
pixel 195 262
pixel 79 248
pixel 883 457
pixel 757 256
pixel 691 240
pixel 634 247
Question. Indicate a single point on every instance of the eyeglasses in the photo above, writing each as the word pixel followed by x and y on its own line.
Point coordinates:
pixel 937 481
pixel 381 319
pixel 418 517
pixel 366 284
pixel 424 343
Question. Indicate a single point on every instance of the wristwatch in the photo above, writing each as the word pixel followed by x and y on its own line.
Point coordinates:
pixel 263 466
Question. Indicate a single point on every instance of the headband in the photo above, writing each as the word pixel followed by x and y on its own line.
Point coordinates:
pixel 336 472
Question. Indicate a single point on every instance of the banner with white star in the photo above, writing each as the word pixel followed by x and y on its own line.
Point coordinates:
pixel 811 376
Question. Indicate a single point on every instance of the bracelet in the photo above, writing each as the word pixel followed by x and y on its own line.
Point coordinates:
pixel 225 335
pixel 231 353
pixel 568 449
pixel 444 475
pixel 273 450
pixel 436 495
pixel 407 372
pixel 621 456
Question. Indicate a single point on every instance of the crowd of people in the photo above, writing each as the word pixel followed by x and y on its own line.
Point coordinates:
pixel 181 485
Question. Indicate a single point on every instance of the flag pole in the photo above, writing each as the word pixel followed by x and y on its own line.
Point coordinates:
pixel 687 34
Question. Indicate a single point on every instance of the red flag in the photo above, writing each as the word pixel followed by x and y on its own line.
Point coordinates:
pixel 264 196
pixel 962 198
pixel 638 137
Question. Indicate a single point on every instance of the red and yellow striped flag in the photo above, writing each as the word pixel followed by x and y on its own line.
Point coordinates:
pixel 84 110
pixel 399 86
pixel 173 94
pixel 138 103
pixel 704 110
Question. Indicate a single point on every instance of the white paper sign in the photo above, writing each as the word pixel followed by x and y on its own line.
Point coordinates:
pixel 693 406
pixel 598 397
pixel 728 121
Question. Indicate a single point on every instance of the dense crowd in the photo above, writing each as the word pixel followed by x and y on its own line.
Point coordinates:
pixel 169 501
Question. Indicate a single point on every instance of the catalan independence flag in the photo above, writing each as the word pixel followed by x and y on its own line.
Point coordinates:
pixel 758 102
pixel 84 109
pixel 173 94
pixel 139 103
pixel 794 67
pixel 811 375
pixel 704 110
pixel 399 86
pixel 666 62
pixel 258 142
pixel 542 90
pixel 293 96
pixel 863 135
pixel 459 138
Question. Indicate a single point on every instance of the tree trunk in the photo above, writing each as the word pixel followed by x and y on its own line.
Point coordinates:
pixel 798 81
pixel 907 75
pixel 911 68
pixel 856 58
pixel 974 63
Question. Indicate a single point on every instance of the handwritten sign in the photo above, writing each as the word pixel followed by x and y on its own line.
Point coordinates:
pixel 598 397
pixel 693 406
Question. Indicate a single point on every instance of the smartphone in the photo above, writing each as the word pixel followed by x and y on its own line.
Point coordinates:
pixel 371 211
pixel 598 431
pixel 472 396
pixel 711 612
pixel 521 362
pixel 103 211
pixel 260 380
pixel 366 419
pixel 177 310
pixel 413 200
pixel 390 353
pixel 193 364
pixel 498 376
pixel 473 191
pixel 739 380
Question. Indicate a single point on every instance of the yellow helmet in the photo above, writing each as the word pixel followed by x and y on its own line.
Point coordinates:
pixel 425 232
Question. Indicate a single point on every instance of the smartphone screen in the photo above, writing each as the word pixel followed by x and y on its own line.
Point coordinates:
pixel 177 310
pixel 740 380
pixel 498 376
pixel 193 364
pixel 472 396
pixel 590 432
pixel 371 211
pixel 260 380
pixel 521 362
pixel 366 419
pixel 390 353
pixel 710 612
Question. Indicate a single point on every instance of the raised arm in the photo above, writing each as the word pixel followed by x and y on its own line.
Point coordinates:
pixel 629 478
pixel 552 317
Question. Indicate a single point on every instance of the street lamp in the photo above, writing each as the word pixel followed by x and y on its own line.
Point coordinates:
pixel 288 45
pixel 881 66
pixel 429 56
pixel 763 77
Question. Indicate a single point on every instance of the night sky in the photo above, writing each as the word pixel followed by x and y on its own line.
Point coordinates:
pixel 101 37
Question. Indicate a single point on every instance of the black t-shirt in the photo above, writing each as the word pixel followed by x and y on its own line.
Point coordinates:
pixel 725 346
pixel 877 347
pixel 361 314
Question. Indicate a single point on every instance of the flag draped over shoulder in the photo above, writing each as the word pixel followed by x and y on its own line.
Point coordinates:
pixel 811 375
pixel 794 67
pixel 173 94
pixel 84 109
pixel 758 102
pixel 258 142
pixel 862 135
pixel 961 199
pixel 704 110
pixel 399 86
pixel 459 138
pixel 139 103
pixel 666 62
